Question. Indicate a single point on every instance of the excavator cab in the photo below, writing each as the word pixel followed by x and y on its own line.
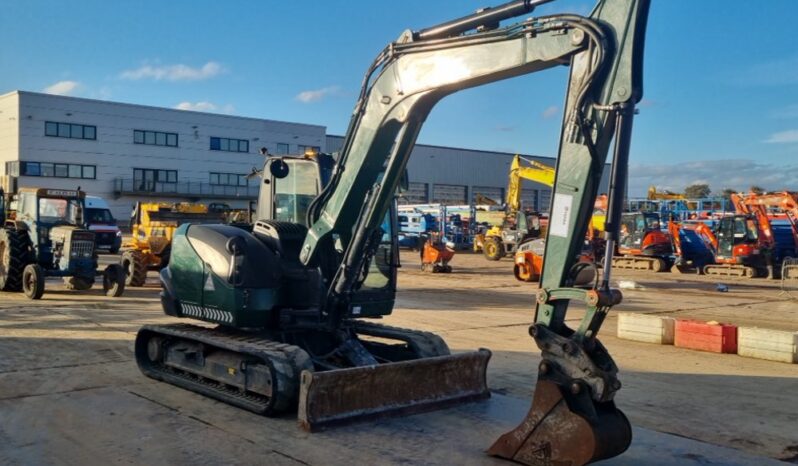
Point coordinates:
pixel 641 233
pixel 738 238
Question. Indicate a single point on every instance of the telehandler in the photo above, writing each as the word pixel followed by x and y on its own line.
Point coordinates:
pixel 295 299
pixel 517 225
pixel 152 226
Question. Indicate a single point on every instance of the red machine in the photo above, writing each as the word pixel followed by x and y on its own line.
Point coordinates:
pixel 435 256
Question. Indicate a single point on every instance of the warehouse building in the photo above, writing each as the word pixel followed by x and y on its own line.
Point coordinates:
pixel 127 153
pixel 455 176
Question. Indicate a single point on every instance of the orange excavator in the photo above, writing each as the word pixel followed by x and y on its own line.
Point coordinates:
pixel 643 245
pixel 742 243
pixel 768 209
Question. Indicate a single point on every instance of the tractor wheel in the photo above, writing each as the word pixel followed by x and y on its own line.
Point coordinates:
pixel 33 281
pixel 14 255
pixel 135 268
pixel 114 281
pixel 493 249
pixel 77 283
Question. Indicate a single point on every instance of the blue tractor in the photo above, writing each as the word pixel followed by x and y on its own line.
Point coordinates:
pixel 44 236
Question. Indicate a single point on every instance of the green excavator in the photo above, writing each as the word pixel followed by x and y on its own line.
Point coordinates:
pixel 295 301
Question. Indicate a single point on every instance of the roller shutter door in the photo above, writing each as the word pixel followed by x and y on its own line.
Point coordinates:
pixel 529 199
pixel 497 194
pixel 449 194
pixel 545 200
pixel 416 194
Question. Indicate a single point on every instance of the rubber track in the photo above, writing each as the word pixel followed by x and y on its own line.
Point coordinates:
pixel 285 361
pixel 729 271
pixel 633 263
pixel 425 344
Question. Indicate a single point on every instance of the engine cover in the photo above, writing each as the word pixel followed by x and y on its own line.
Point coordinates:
pixel 221 274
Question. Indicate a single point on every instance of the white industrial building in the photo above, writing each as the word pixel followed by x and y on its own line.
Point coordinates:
pixel 127 153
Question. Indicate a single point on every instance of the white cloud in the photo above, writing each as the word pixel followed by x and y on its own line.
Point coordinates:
pixel 316 95
pixel 550 112
pixel 783 137
pixel 738 174
pixel 204 106
pixel 177 72
pixel 62 88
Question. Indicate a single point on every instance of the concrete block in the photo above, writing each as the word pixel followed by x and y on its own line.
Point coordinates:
pixel 646 328
pixel 774 345
pixel 705 336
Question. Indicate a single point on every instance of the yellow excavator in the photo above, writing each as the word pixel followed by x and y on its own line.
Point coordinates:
pixel 517 225
pixel 654 195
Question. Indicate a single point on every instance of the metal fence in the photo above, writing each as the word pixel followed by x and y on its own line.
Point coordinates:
pixel 789 277
pixel 183 188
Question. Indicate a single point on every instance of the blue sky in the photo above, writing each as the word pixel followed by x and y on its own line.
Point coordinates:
pixel 721 76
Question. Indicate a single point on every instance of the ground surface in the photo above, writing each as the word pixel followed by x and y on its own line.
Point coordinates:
pixel 70 392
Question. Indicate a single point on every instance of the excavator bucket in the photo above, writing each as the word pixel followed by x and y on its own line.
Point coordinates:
pixel 346 395
pixel 565 429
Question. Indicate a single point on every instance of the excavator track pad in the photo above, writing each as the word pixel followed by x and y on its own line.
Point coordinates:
pixel 565 429
pixel 392 389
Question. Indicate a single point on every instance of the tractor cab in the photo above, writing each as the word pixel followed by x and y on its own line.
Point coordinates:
pixel 53 219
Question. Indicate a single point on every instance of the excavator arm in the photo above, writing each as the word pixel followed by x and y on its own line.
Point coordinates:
pixel 536 171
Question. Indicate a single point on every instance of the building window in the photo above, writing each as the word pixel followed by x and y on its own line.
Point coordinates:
pixel 282 148
pixel 305 149
pixel 230 145
pixel 51 170
pixel 69 130
pixel 148 179
pixel 154 138
pixel 228 179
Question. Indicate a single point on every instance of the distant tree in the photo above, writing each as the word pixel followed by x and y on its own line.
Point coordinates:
pixel 756 189
pixel 726 193
pixel 695 191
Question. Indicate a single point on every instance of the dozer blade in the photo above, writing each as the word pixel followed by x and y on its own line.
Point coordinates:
pixel 392 389
pixel 565 430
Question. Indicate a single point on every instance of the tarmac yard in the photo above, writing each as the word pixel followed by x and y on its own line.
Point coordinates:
pixel 70 391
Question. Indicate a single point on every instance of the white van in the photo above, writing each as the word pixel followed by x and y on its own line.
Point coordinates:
pixel 98 219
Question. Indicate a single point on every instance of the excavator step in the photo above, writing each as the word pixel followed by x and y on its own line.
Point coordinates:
pixel 359 393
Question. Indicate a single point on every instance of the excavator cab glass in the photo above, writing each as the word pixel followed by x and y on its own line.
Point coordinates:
pixel 735 230
pixel 294 192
